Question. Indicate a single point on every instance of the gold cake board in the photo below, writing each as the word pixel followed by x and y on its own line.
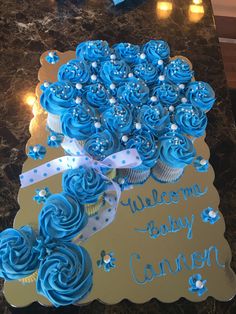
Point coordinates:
pixel 121 237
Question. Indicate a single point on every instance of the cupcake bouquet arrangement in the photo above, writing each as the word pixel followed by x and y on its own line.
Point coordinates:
pixel 122 114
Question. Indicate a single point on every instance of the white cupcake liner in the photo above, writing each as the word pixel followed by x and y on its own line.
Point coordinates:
pixel 164 173
pixel 54 123
pixel 135 176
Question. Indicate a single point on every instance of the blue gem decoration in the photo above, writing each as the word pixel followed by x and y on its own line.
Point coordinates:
pixel 37 152
pixel 201 164
pixel 197 285
pixel 106 261
pixel 55 139
pixel 210 215
pixel 41 195
pixel 52 57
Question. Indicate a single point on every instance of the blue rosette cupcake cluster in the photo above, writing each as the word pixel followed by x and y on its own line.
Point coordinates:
pixel 49 256
pixel 112 98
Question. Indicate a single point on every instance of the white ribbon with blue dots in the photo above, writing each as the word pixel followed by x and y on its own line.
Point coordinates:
pixel 128 158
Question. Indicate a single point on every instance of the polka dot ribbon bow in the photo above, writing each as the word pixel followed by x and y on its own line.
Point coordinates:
pixel 128 158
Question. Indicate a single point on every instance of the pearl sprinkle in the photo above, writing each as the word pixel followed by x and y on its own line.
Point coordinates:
pixel 212 214
pixel 153 98
pixel 112 100
pixel 93 77
pixel 78 86
pixel 42 193
pixel 97 125
pixel 138 126
pixel 174 127
pixel 124 138
pixel 199 284
pixel 203 162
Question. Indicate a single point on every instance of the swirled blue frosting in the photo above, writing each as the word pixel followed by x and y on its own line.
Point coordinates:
pixel 128 52
pixel 153 118
pixel 78 122
pixel 58 97
pixel 17 259
pixel 65 276
pixel 86 184
pixel 114 72
pixel 176 150
pixel 156 50
pixel 147 72
pixel 94 50
pixel 118 119
pixel 191 120
pixel 102 144
pixel 146 146
pixel 200 94
pixel 74 71
pixel 134 93
pixel 178 71
pixel 62 217
pixel 97 96
pixel 168 94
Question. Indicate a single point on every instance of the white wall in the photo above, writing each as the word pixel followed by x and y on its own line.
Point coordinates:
pixel 224 7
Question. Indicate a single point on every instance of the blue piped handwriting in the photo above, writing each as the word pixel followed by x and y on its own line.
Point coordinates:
pixel 173 225
pixel 171 197
pixel 196 260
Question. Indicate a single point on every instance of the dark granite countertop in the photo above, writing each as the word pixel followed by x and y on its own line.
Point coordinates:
pixel 28 28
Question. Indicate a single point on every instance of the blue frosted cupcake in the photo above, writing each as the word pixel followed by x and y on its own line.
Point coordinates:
pixel 65 276
pixel 57 99
pixel 118 119
pixel 168 94
pixel 176 152
pixel 74 71
pixel 114 73
pixel 147 148
pixel 102 144
pixel 191 120
pixel 179 71
pixel 200 94
pixel 128 52
pixel 156 50
pixel 97 96
pixel 62 217
pixel 147 72
pixel 17 259
pixel 153 118
pixel 79 123
pixel 133 93
pixel 93 51
pixel 87 186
